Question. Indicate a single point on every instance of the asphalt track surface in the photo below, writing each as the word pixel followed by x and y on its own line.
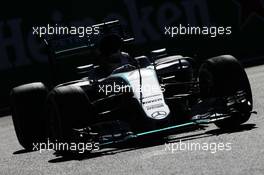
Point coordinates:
pixel 245 157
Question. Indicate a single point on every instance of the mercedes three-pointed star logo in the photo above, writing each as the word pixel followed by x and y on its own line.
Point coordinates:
pixel 159 114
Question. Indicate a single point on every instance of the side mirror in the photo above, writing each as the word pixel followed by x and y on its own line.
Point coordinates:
pixel 143 61
pixel 87 70
pixel 156 54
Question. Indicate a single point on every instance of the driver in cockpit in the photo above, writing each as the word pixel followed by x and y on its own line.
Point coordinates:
pixel 111 56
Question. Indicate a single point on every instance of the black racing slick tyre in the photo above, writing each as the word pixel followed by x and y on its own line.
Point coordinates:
pixel 28 113
pixel 69 108
pixel 224 76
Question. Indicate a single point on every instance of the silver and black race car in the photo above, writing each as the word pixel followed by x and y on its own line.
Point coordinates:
pixel 156 93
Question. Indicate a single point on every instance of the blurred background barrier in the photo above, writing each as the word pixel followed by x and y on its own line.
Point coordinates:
pixel 23 58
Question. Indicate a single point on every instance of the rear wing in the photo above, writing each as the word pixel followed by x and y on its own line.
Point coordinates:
pixel 68 52
pixel 60 46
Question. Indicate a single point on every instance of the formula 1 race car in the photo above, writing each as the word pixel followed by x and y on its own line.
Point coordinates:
pixel 156 94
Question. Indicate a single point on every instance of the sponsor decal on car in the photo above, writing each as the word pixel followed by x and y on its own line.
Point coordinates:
pixel 154 106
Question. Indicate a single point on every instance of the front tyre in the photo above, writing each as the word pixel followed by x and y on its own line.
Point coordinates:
pixel 28 113
pixel 224 76
pixel 69 108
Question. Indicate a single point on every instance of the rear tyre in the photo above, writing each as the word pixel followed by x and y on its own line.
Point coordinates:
pixel 69 108
pixel 28 113
pixel 224 76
